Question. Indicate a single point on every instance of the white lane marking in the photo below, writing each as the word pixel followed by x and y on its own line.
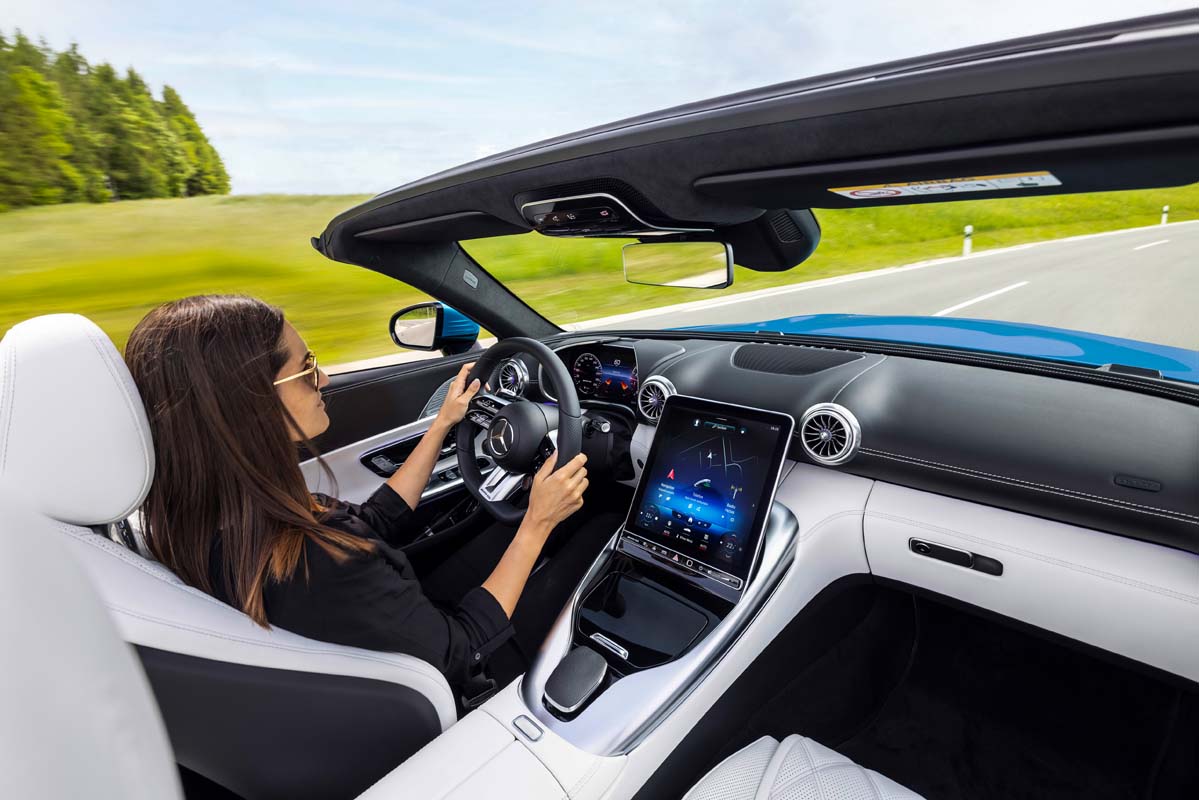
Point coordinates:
pixel 979 299
pixel 758 294
pixel 1151 244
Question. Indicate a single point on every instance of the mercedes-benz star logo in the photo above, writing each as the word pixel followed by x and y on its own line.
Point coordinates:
pixel 500 437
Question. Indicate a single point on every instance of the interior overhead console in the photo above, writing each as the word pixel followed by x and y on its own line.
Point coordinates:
pixel 703 547
pixel 598 214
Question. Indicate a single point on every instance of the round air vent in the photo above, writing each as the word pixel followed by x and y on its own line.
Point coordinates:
pixel 652 396
pixel 830 433
pixel 513 377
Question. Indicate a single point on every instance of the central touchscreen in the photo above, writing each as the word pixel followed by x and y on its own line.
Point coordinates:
pixel 707 485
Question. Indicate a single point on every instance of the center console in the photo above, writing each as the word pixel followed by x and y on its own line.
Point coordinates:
pixel 701 550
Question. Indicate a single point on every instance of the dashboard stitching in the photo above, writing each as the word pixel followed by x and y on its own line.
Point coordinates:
pixel 1040 369
pixel 1178 516
pixel 1150 587
pixel 815 529
pixel 855 377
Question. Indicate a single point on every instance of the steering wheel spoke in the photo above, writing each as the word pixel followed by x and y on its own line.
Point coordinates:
pixel 500 484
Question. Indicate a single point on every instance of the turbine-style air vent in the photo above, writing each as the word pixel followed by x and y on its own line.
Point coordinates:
pixel 513 377
pixel 652 396
pixel 830 434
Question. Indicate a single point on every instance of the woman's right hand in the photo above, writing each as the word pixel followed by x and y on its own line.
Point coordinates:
pixel 557 495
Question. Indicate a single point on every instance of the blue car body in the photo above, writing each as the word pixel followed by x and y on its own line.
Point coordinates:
pixel 1009 338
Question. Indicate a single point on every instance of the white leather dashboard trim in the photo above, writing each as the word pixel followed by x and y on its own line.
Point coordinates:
pixel 1129 597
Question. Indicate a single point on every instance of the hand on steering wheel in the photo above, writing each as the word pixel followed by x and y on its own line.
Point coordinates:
pixel 519 433
pixel 557 494
pixel 458 396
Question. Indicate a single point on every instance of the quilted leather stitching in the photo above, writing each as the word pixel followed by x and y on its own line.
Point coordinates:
pixel 796 769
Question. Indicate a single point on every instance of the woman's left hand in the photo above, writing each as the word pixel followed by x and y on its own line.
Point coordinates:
pixel 459 397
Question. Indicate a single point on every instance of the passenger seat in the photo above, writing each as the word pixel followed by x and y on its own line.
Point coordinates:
pixel 795 769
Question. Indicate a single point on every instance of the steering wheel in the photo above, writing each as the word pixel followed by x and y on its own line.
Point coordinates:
pixel 520 433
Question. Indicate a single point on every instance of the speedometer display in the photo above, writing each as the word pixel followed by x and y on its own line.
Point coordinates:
pixel 588 373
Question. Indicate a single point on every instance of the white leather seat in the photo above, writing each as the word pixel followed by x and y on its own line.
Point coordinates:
pixel 76 715
pixel 794 769
pixel 75 444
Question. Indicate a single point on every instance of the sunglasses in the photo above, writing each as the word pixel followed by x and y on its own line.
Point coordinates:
pixel 310 368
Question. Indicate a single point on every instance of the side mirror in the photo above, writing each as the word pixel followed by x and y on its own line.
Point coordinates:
pixel 686 265
pixel 433 326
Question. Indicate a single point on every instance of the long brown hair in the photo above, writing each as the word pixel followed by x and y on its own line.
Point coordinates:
pixel 226 461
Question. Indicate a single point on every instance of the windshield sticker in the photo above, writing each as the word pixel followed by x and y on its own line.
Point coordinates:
pixel 980 183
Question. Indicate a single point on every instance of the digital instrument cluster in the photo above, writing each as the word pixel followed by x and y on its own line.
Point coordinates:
pixel 602 372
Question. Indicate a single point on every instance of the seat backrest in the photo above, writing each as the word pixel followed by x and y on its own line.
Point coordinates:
pixel 262 712
pixel 76 715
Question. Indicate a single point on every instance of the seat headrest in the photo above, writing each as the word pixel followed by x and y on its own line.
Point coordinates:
pixel 74 439
pixel 78 719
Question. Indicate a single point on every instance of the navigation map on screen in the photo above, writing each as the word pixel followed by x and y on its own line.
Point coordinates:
pixel 703 488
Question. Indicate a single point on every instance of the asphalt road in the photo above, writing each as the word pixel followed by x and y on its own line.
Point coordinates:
pixel 1139 284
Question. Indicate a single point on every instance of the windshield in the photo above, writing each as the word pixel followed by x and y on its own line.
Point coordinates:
pixel 1100 264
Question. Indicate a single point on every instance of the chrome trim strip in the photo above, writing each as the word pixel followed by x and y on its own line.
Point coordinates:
pixel 500 484
pixel 604 641
pixel 624 714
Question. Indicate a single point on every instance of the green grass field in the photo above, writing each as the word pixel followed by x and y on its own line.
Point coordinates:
pixel 115 262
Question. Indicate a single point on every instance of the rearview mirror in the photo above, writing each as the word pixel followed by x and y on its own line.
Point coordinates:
pixel 686 265
pixel 433 326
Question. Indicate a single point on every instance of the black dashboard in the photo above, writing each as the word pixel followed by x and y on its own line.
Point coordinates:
pixel 1099 456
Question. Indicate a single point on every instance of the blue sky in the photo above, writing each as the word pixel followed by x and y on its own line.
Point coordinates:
pixel 360 97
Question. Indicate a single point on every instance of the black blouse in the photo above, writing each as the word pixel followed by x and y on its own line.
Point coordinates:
pixel 374 600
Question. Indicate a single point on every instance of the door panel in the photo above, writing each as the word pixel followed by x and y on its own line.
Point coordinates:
pixel 376 417
pixel 364 403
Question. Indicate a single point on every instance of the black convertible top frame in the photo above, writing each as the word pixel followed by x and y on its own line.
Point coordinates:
pixel 1107 107
pixel 1112 106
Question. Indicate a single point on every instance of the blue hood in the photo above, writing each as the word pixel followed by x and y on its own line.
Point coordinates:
pixel 1009 338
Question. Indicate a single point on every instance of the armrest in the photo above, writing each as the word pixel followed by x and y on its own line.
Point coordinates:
pixel 476 758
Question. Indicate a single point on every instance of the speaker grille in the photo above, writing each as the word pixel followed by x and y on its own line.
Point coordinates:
pixel 784 227
pixel 788 359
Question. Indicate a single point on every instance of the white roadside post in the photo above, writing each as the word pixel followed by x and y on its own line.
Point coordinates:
pixel 967 244
pixel 1165 214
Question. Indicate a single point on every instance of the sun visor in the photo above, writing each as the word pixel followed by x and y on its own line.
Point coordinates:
pixel 1102 162
pixel 444 228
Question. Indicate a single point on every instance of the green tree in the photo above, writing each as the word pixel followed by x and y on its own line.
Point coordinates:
pixel 72 73
pixel 208 175
pixel 35 129
pixel 72 132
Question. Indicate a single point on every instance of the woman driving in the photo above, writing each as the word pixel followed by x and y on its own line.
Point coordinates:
pixel 231 389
